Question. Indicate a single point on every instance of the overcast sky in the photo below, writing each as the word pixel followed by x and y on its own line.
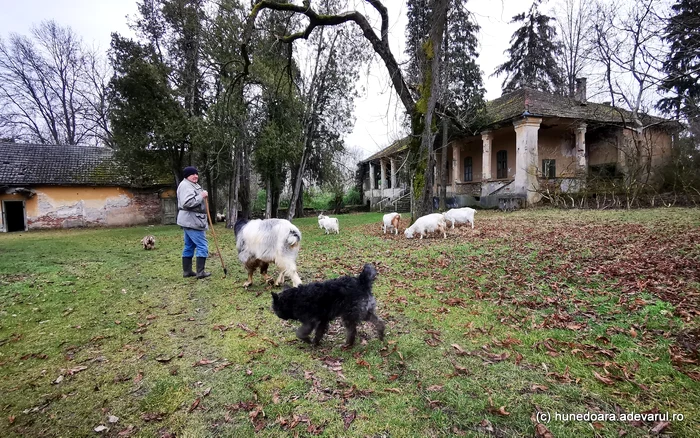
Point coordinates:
pixel 378 113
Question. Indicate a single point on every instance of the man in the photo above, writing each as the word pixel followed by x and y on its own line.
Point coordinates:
pixel 192 217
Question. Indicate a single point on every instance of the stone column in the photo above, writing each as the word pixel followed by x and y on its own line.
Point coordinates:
pixel 581 164
pixel 382 173
pixel 371 178
pixel 456 157
pixel 487 140
pixel 392 163
pixel 526 156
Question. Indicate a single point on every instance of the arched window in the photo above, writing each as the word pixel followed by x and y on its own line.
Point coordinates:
pixel 501 164
pixel 468 169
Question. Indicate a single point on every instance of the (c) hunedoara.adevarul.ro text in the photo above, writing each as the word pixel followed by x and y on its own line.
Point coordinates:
pixel 547 417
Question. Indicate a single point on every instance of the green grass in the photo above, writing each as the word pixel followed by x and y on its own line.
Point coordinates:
pixel 518 313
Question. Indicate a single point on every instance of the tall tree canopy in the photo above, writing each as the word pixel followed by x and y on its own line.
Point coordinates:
pixel 682 66
pixel 532 56
pixel 50 88
pixel 157 88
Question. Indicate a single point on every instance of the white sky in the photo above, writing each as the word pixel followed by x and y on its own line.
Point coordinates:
pixel 378 113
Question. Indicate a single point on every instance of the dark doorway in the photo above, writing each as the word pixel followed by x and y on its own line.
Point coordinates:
pixel 14 215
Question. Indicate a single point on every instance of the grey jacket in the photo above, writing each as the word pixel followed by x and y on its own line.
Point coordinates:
pixel 190 205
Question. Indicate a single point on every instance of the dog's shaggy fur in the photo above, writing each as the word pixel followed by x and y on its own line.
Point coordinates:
pixel 315 305
pixel 261 242
pixel 148 242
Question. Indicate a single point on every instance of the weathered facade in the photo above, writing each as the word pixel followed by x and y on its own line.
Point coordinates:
pixel 45 186
pixel 533 139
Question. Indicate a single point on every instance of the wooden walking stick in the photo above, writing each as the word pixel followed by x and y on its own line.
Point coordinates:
pixel 211 225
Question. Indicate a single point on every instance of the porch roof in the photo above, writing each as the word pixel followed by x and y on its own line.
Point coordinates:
pixel 395 147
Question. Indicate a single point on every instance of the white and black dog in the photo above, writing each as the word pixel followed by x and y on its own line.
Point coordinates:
pixel 261 242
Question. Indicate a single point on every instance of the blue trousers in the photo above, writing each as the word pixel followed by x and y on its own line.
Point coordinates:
pixel 195 239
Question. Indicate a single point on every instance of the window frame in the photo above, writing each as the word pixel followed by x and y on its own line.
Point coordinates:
pixel 468 169
pixel 549 168
pixel 502 164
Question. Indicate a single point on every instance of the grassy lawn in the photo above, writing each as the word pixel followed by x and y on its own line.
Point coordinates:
pixel 533 311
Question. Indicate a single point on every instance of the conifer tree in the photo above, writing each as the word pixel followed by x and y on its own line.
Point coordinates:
pixel 682 66
pixel 532 54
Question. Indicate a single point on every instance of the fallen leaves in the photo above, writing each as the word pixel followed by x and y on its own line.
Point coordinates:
pixel 541 431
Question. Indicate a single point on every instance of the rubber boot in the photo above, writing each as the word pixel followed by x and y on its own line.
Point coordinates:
pixel 187 267
pixel 201 261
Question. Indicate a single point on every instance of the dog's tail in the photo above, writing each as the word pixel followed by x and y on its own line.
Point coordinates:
pixel 240 223
pixel 367 276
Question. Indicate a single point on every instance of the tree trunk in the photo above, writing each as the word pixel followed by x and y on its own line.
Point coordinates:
pixel 244 195
pixel 443 166
pixel 268 198
pixel 234 186
pixel 297 182
pixel 432 75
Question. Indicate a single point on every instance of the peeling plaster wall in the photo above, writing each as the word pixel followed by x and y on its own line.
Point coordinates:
pixel 558 144
pixel 69 207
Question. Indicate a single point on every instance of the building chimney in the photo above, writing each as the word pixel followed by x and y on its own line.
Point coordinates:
pixel 580 93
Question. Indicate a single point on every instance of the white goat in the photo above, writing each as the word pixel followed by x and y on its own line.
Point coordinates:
pixel 460 216
pixel 261 242
pixel 430 223
pixel 320 218
pixel 390 222
pixel 329 224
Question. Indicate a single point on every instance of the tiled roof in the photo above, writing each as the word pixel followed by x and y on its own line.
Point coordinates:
pixel 397 146
pixel 32 164
pixel 538 103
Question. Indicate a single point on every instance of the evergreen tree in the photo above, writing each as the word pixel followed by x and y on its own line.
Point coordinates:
pixel 532 55
pixel 462 76
pixel 682 65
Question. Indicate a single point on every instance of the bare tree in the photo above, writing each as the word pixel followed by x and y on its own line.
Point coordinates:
pixel 575 22
pixel 627 44
pixel 44 86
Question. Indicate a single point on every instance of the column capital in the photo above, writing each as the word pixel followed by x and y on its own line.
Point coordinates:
pixel 581 127
pixel 527 121
pixel 487 135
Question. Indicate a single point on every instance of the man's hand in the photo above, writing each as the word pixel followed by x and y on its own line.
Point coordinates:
pixel 204 194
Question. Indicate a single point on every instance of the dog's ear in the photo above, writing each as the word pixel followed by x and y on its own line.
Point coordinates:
pixel 369 271
pixel 275 297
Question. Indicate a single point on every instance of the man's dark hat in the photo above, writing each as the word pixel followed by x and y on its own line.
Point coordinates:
pixel 189 170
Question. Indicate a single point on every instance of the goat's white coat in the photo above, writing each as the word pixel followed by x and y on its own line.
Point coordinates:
pixel 460 216
pixel 429 223
pixel 388 222
pixel 320 218
pixel 329 224
pixel 271 241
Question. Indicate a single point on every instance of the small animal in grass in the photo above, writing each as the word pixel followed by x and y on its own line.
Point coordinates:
pixel 330 225
pixel 390 222
pixel 148 242
pixel 316 304
pixel 321 217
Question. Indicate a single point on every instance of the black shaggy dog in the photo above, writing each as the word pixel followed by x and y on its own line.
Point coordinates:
pixel 315 305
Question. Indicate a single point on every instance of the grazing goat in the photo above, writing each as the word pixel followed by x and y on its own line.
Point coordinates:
pixel 220 217
pixel 460 216
pixel 391 222
pixel 330 224
pixel 320 218
pixel 261 242
pixel 148 242
pixel 430 223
